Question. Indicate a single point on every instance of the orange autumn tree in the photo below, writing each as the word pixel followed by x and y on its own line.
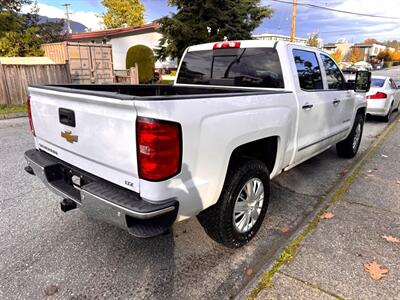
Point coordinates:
pixel 396 55
pixel 356 55
pixel 337 56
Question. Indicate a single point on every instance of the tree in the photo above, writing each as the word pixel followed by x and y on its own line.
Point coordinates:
pixel 123 12
pixel 337 56
pixel 370 41
pixel 12 5
pixel 355 55
pixel 198 21
pixel 313 40
pixel 385 55
pixel 21 44
pixel 144 57
pixel 52 32
pixel 394 44
pixel 22 34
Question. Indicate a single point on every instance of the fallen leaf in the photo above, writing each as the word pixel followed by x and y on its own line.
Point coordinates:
pixel 51 290
pixel 249 271
pixel 284 229
pixel 327 215
pixel 375 270
pixel 391 239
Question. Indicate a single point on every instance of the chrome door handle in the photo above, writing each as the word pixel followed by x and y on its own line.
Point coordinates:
pixel 307 106
pixel 336 101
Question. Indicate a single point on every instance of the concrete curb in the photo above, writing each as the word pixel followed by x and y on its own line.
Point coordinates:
pixel 13 115
pixel 282 256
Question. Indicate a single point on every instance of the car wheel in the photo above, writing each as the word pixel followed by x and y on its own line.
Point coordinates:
pixel 348 148
pixel 389 114
pixel 237 216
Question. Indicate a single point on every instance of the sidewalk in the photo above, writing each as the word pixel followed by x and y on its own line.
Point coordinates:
pixel 328 262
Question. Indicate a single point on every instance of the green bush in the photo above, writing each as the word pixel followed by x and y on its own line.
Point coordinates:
pixel 144 57
pixel 388 64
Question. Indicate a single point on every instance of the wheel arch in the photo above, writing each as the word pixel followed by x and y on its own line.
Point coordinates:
pixel 264 149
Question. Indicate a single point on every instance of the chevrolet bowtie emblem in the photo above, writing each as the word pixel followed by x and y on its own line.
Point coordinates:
pixel 69 136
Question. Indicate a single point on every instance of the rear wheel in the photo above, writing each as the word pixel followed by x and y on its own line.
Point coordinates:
pixel 389 114
pixel 348 148
pixel 237 216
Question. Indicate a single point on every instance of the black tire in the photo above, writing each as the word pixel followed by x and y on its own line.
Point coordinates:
pixel 345 148
pixel 389 114
pixel 218 220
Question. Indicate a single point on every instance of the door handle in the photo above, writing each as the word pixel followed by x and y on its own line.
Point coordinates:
pixel 307 106
pixel 336 101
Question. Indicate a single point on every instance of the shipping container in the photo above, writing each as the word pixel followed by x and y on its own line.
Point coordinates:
pixel 88 63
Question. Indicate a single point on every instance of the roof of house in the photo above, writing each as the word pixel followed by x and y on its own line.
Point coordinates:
pixel 329 45
pixel 112 32
pixel 368 45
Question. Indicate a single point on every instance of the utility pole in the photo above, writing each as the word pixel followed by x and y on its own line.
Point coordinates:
pixel 293 29
pixel 67 14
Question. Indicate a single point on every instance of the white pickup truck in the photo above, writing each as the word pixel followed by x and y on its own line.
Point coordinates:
pixel 145 156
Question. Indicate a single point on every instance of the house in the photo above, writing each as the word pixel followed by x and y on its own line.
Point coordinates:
pixel 278 37
pixel 341 44
pixel 371 50
pixel 122 39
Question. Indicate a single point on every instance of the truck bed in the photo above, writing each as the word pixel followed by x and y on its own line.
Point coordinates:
pixel 154 91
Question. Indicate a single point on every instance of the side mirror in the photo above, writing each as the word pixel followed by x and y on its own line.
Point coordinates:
pixel 362 82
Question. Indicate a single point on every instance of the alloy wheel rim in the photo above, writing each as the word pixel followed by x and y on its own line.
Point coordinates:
pixel 248 205
pixel 357 136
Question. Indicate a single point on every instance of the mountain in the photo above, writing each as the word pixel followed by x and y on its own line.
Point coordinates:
pixel 75 26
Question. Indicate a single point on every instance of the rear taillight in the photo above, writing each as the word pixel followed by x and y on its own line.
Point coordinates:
pixel 159 148
pixel 378 95
pixel 28 102
pixel 225 45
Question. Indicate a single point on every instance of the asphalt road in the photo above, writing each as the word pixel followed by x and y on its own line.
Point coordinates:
pixel 41 247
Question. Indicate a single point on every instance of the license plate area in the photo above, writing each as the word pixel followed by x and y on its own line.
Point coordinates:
pixel 66 180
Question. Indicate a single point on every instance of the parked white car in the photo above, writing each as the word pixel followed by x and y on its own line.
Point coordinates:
pixel 383 97
pixel 145 156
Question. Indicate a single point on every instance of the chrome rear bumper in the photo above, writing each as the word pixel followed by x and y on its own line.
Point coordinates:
pixel 101 199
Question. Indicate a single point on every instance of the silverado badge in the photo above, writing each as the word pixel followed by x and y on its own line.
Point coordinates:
pixel 69 136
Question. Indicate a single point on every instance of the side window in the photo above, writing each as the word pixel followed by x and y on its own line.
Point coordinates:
pixel 393 85
pixel 333 75
pixel 308 70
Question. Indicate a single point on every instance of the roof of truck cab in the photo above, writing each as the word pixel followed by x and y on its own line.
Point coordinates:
pixel 250 44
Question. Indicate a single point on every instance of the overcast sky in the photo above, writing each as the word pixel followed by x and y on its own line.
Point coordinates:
pixel 330 25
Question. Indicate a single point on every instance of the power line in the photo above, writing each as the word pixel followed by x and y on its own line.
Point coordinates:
pixel 336 10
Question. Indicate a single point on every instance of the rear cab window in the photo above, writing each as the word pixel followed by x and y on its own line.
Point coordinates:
pixel 244 67
pixel 308 70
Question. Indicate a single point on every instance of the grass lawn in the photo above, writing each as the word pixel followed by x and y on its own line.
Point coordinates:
pixel 8 109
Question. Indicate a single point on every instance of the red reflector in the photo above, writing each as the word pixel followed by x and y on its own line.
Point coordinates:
pixel 159 148
pixel 28 102
pixel 225 45
pixel 378 95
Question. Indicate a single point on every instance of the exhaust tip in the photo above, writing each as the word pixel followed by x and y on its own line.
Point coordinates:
pixel 67 205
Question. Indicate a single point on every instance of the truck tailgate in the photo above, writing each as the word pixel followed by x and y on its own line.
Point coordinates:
pixel 102 142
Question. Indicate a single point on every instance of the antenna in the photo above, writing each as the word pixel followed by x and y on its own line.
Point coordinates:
pixel 67 14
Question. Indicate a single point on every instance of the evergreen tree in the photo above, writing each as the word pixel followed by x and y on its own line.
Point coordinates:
pixel 22 34
pixel 202 21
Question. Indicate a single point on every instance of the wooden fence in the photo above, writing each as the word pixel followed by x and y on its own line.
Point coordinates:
pixel 14 80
